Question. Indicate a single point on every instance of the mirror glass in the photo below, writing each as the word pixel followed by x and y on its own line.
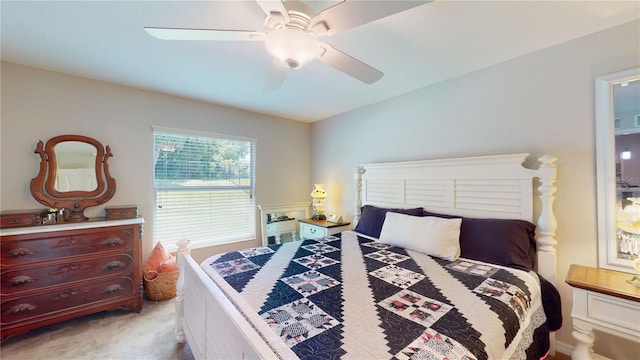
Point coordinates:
pixel 280 222
pixel 618 168
pixel 75 166
pixel 74 174
pixel 626 97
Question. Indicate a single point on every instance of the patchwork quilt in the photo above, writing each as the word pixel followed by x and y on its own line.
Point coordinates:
pixel 347 296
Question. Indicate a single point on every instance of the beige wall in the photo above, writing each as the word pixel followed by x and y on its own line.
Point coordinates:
pixel 37 105
pixel 539 103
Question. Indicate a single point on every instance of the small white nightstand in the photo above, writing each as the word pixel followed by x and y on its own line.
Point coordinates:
pixel 602 299
pixel 277 228
pixel 312 229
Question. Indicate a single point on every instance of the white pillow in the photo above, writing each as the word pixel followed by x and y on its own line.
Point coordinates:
pixel 429 235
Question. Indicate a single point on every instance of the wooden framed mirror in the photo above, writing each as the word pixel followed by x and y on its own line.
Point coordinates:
pixel 74 175
pixel 618 168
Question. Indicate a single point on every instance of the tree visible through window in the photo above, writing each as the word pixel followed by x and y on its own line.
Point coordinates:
pixel 204 188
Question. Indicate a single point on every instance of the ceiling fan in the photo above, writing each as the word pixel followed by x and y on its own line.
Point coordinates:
pixel 291 31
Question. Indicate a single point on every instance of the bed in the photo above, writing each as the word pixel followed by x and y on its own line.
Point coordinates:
pixel 432 270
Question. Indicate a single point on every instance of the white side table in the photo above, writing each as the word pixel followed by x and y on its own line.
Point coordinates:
pixel 313 229
pixel 602 300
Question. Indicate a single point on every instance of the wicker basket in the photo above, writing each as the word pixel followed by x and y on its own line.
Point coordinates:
pixel 160 286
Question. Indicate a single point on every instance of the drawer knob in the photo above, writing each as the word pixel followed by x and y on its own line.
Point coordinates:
pixel 112 289
pixel 113 265
pixel 21 280
pixel 70 241
pixel 20 252
pixel 312 230
pixel 65 294
pixel 112 241
pixel 20 309
pixel 65 268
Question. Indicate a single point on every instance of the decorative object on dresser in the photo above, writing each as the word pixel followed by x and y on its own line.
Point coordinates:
pixel 19 218
pixel 121 212
pixel 52 273
pixel 605 301
pixel 74 174
pixel 311 229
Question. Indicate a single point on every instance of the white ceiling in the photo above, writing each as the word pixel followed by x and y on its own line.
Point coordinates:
pixel 432 42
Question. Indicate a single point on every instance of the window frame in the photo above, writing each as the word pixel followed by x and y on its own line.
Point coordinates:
pixel 250 232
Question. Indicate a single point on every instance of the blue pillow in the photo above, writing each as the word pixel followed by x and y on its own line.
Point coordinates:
pixel 498 241
pixel 372 218
pixel 506 242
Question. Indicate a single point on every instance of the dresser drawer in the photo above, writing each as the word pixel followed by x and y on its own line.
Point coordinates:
pixel 37 277
pixel 34 249
pixel 308 231
pixel 39 305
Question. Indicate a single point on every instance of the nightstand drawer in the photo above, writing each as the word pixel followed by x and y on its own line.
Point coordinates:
pixel 611 310
pixel 313 229
pixel 308 231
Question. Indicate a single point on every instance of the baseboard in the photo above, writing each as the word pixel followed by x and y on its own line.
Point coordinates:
pixel 564 348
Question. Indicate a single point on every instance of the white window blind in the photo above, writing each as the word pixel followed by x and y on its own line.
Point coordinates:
pixel 204 188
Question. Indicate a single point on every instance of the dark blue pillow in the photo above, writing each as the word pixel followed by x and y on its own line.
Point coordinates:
pixel 506 242
pixel 372 218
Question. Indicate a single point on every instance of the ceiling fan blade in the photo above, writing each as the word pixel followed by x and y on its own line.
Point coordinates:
pixel 274 7
pixel 348 65
pixel 277 73
pixel 204 34
pixel 350 14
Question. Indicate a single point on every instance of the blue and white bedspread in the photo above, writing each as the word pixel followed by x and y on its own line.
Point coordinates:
pixel 352 298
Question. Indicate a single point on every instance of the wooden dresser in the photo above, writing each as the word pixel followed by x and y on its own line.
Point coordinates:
pixel 51 273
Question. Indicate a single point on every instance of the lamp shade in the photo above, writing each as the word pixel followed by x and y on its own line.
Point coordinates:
pixel 319 192
pixel 626 154
pixel 292 48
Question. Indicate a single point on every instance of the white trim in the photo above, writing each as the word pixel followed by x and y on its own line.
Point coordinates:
pixel 168 130
pixel 564 348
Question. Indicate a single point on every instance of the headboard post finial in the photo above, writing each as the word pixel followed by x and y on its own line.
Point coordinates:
pixel 357 204
pixel 547 223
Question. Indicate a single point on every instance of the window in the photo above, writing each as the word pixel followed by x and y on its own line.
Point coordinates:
pixel 203 187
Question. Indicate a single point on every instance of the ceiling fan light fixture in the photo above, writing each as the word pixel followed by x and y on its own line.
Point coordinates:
pixel 292 48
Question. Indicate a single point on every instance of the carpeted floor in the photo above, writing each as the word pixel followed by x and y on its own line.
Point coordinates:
pixel 105 336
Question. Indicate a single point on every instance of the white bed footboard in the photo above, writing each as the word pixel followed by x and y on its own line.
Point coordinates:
pixel 208 321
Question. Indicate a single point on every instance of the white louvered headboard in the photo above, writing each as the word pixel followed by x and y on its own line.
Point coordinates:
pixel 496 186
